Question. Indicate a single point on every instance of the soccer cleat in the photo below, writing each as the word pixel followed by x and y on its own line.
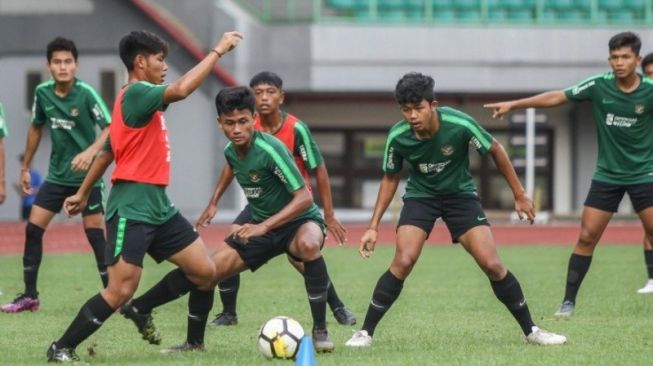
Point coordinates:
pixel 225 319
pixel 185 347
pixel 647 289
pixel 566 309
pixel 144 323
pixel 344 316
pixel 321 341
pixel 359 339
pixel 22 302
pixel 543 338
pixel 56 354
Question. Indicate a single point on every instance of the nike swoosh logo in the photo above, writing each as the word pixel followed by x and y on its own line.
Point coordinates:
pixel 49 108
pixel 522 303
pixel 377 305
pixel 93 207
pixel 97 321
pixel 607 101
pixel 314 297
pixel 481 218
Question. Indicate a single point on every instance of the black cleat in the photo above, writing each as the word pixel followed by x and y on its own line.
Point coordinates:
pixel 225 319
pixel 185 347
pixel 56 354
pixel 144 323
pixel 321 341
pixel 344 316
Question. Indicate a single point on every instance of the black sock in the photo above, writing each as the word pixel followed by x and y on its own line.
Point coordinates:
pixel 509 292
pixel 578 266
pixel 99 244
pixel 200 304
pixel 387 290
pixel 229 293
pixel 332 297
pixel 316 279
pixel 173 285
pixel 32 257
pixel 648 259
pixel 88 320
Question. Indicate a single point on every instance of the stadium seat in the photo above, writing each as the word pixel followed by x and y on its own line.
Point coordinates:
pixel 444 16
pixel 497 15
pixel 573 16
pixel 469 16
pixel 584 5
pixel 341 4
pixel 635 5
pixel 467 5
pixel 441 4
pixel 621 16
pixel 520 15
pixel 610 5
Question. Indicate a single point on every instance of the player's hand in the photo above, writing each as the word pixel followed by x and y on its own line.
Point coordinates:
pixel 26 182
pixel 499 109
pixel 205 218
pixel 82 161
pixel 525 208
pixel 74 204
pixel 368 242
pixel 228 42
pixel 336 229
pixel 249 231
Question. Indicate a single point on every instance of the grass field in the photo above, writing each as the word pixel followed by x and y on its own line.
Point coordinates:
pixel 446 315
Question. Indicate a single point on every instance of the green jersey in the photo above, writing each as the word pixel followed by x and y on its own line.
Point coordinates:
pixel 268 176
pixel 3 123
pixel 438 166
pixel 72 121
pixel 140 202
pixel 624 124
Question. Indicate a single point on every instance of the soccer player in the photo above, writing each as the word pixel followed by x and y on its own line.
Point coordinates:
pixel 647 69
pixel 269 96
pixel 141 218
pixel 284 219
pixel 647 65
pixel 622 103
pixel 434 141
pixel 3 134
pixel 71 110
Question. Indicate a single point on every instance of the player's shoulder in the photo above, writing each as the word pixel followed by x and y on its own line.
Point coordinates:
pixel 266 142
pixel 86 88
pixel 45 87
pixel 592 80
pixel 401 126
pixel 647 81
pixel 453 115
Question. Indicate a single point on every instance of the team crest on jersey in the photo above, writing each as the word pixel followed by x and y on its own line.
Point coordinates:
pixel 74 111
pixel 639 108
pixel 254 177
pixel 447 150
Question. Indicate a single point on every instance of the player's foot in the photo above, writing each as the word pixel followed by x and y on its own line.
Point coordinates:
pixel 321 341
pixel 225 319
pixel 56 354
pixel 647 289
pixel 566 309
pixel 359 339
pixel 544 338
pixel 344 316
pixel 22 302
pixel 184 347
pixel 144 323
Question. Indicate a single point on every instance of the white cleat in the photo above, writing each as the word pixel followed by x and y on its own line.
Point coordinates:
pixel 543 338
pixel 647 289
pixel 359 339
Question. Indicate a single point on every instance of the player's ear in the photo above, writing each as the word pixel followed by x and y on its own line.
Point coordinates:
pixel 434 104
pixel 282 98
pixel 139 61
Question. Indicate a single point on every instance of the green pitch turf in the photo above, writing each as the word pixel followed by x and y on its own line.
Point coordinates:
pixel 446 315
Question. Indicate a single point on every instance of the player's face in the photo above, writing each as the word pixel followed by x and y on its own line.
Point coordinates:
pixel 62 66
pixel 238 126
pixel 648 70
pixel 268 98
pixel 419 115
pixel 155 68
pixel 623 61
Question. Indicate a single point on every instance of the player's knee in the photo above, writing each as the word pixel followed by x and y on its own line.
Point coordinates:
pixel 493 268
pixel 404 264
pixel 118 294
pixel 588 238
pixel 309 249
pixel 204 275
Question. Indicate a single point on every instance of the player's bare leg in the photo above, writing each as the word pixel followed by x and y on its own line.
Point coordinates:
pixel 646 216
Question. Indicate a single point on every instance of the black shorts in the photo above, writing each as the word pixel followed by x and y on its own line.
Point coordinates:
pixel 260 249
pixel 607 196
pixel 244 216
pixel 52 195
pixel 132 239
pixel 459 212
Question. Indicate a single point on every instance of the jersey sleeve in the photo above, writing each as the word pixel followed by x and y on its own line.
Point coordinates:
pixel 479 138
pixel 281 163
pixel 140 101
pixel 98 109
pixel 3 123
pixel 392 159
pixel 38 115
pixel 306 147
pixel 582 91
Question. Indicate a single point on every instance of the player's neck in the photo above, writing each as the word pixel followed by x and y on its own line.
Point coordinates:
pixel 431 130
pixel 629 83
pixel 272 122
pixel 62 89
pixel 244 149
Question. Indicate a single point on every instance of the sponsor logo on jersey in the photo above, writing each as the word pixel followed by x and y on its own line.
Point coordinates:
pixel 617 121
pixel 579 89
pixel 607 101
pixel 252 192
pixel 428 168
pixel 97 112
pixel 639 108
pixel 391 163
pixel 254 177
pixel 302 152
pixel 74 111
pixel 474 142
pixel 447 150
pixel 279 174
pixel 62 123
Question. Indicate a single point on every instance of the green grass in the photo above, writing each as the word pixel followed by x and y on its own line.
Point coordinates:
pixel 446 315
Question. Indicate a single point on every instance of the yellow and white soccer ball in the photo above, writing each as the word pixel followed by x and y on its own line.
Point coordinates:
pixel 279 337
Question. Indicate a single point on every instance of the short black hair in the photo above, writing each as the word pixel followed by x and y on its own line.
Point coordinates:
pixel 266 77
pixel 625 39
pixel 61 44
pixel 415 87
pixel 647 60
pixel 140 43
pixel 234 98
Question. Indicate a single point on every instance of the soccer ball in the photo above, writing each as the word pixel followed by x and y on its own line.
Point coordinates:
pixel 279 337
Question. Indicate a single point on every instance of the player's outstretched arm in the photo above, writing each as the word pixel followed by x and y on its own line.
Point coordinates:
pixel 523 203
pixel 77 202
pixel 82 161
pixel 192 79
pixel 545 100
pixel 389 184
pixel 34 134
pixel 334 225
pixel 3 185
pixel 226 177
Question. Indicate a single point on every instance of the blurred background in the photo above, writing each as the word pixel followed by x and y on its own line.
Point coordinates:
pixel 340 61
